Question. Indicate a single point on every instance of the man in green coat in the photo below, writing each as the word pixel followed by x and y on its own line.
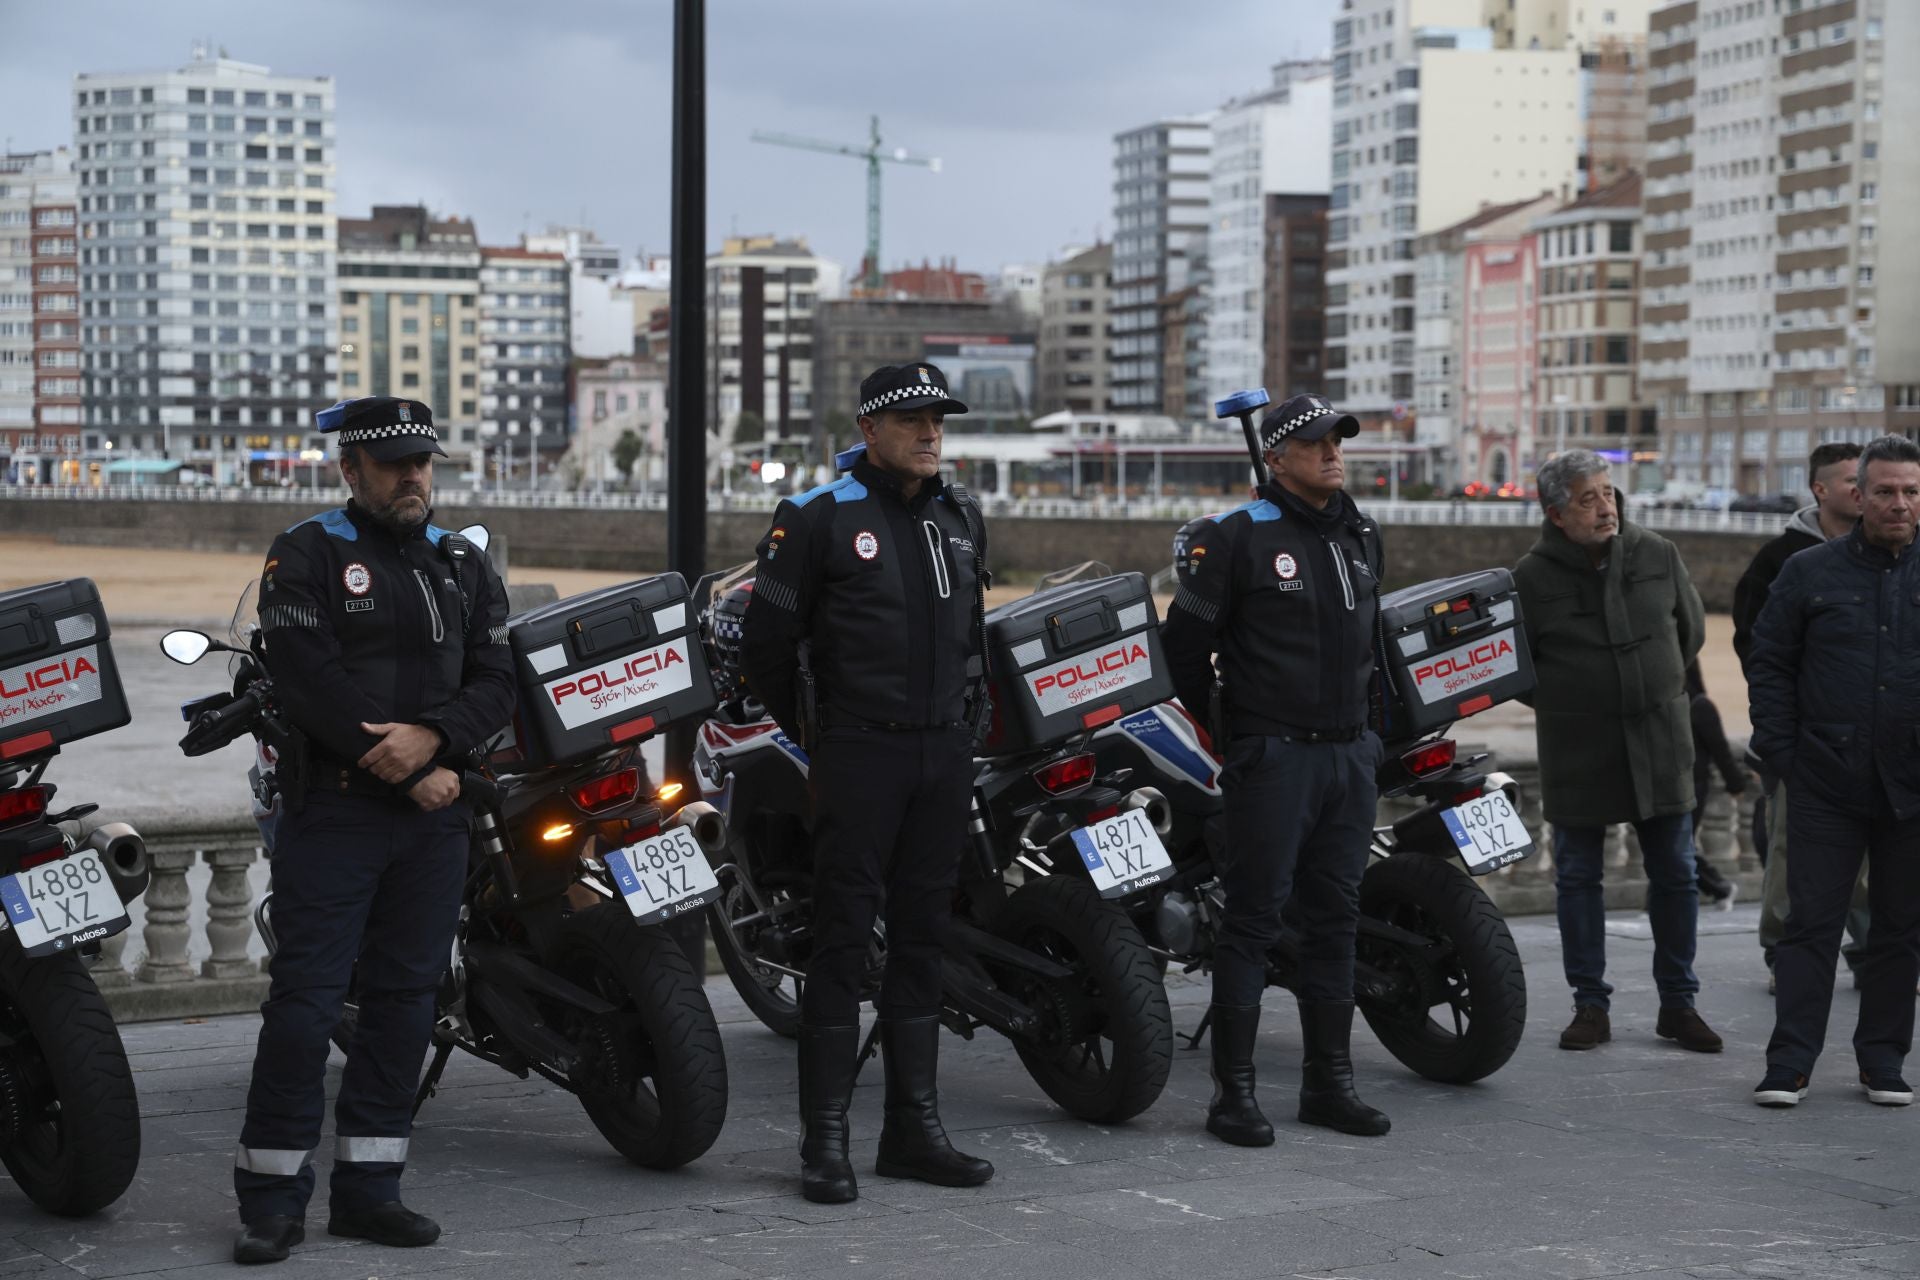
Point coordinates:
pixel 1613 621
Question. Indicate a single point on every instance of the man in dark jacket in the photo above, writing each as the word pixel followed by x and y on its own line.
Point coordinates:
pixel 1613 621
pixel 868 590
pixel 1834 474
pixel 1834 683
pixel 1284 589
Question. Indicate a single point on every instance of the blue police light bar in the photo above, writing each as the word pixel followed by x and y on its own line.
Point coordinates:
pixel 1241 402
pixel 333 417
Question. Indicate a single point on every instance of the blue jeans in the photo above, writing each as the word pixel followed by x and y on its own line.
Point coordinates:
pixel 1673 907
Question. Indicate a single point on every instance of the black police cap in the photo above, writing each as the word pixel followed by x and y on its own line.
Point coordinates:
pixel 907 386
pixel 384 427
pixel 1305 418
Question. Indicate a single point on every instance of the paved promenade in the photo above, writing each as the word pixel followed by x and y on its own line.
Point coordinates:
pixel 1637 1159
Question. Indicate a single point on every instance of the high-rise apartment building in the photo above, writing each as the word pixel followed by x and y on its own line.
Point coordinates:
pixel 207 280
pixel 1269 143
pixel 1160 192
pixel 410 316
pixel 1776 316
pixel 523 358
pixel 762 295
pixel 1294 316
pixel 40 440
pixel 1439 108
pixel 1071 358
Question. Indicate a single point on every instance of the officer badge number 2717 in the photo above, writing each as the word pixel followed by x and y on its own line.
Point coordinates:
pixel 1287 570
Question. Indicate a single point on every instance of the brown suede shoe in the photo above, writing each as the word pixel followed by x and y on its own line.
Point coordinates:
pixel 1686 1028
pixel 1590 1027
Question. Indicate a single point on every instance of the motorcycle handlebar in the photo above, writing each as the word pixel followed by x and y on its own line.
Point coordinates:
pixel 216 727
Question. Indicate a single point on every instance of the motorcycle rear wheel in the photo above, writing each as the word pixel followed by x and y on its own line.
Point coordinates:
pixel 1470 975
pixel 1117 1071
pixel 653 1078
pixel 773 997
pixel 65 1086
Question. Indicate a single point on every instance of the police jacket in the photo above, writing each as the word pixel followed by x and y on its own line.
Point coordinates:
pixel 1288 598
pixel 882 590
pixel 1833 678
pixel 364 625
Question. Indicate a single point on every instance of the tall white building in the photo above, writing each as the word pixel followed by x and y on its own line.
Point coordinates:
pixel 1160 192
pixel 40 438
pixel 1441 107
pixel 761 295
pixel 207 268
pixel 601 323
pixel 1269 143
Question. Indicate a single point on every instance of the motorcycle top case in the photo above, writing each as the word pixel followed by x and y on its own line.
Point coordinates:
pixel 58 681
pixel 601 669
pixel 1452 648
pixel 1073 658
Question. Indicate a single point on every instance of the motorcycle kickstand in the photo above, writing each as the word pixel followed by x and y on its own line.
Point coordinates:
pixel 1200 1032
pixel 441 1053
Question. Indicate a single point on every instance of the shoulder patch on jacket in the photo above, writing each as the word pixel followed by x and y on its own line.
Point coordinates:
pixel 845 489
pixel 1260 511
pixel 335 522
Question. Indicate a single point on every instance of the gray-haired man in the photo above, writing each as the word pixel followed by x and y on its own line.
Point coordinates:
pixel 1613 621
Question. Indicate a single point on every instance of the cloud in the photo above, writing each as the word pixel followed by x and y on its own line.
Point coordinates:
pixel 521 115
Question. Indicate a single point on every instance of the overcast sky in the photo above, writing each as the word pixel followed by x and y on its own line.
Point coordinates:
pixel 520 113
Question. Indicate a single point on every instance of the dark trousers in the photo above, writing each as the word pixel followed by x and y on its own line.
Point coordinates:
pixel 1828 840
pixel 1673 908
pixel 889 822
pixel 367 890
pixel 1299 821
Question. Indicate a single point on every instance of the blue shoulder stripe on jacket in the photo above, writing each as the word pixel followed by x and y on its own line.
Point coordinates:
pixel 335 522
pixel 435 533
pixel 1260 511
pixel 845 489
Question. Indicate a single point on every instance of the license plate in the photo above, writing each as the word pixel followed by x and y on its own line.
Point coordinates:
pixel 63 904
pixel 663 876
pixel 1488 833
pixel 1123 854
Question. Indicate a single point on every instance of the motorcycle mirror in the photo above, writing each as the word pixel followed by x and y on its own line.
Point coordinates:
pixel 186 647
pixel 476 534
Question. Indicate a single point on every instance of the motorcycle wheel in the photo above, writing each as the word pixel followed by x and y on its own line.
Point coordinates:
pixel 69 1116
pixel 772 996
pixel 1467 1003
pixel 652 1076
pixel 1105 1046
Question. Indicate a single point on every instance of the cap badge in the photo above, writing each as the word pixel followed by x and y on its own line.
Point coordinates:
pixel 925 376
pixel 404 415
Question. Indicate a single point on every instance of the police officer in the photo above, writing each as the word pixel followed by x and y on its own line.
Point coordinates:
pixel 862 638
pixel 386 642
pixel 1283 589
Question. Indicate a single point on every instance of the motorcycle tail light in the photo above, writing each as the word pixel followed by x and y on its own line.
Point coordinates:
pixel 642 831
pixel 610 792
pixel 1465 796
pixel 1101 815
pixel 1429 757
pixel 29 804
pixel 1063 776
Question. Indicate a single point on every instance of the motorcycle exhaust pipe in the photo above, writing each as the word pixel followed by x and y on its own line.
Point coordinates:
pixel 129 866
pixel 708 824
pixel 1159 812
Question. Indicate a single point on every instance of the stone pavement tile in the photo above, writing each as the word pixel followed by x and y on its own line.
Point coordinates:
pixel 897 1244
pixel 125 1248
pixel 1272 1244
pixel 1010 1182
pixel 734 1217
pixel 1138 1208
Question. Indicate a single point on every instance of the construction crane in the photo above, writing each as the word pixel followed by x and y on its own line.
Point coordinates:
pixel 873 155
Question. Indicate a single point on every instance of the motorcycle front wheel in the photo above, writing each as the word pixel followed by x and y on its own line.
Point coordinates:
pixel 652 1076
pixel 69 1116
pixel 1463 1002
pixel 1105 1044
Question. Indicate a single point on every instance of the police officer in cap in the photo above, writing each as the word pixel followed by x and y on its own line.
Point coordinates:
pixel 386 640
pixel 1283 590
pixel 862 637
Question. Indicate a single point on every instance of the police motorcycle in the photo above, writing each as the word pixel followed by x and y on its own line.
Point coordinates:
pixel 69 1116
pixel 1048 962
pixel 557 968
pixel 1438 976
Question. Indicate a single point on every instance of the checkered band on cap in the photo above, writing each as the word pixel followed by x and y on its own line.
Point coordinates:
pixel 925 391
pixel 360 435
pixel 1280 431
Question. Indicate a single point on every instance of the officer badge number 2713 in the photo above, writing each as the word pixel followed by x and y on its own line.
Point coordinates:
pixel 357 578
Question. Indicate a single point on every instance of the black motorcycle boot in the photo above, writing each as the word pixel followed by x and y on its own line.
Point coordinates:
pixel 391 1224
pixel 913 1142
pixel 829 1056
pixel 1326 1072
pixel 1234 1116
pixel 268 1239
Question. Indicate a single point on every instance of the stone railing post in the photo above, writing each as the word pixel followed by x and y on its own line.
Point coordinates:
pixel 229 913
pixel 167 902
pixel 1716 835
pixel 110 970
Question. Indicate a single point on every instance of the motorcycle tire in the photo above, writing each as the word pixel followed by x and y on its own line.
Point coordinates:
pixel 66 1092
pixel 1065 920
pixel 1473 968
pixel 770 1003
pixel 653 1078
